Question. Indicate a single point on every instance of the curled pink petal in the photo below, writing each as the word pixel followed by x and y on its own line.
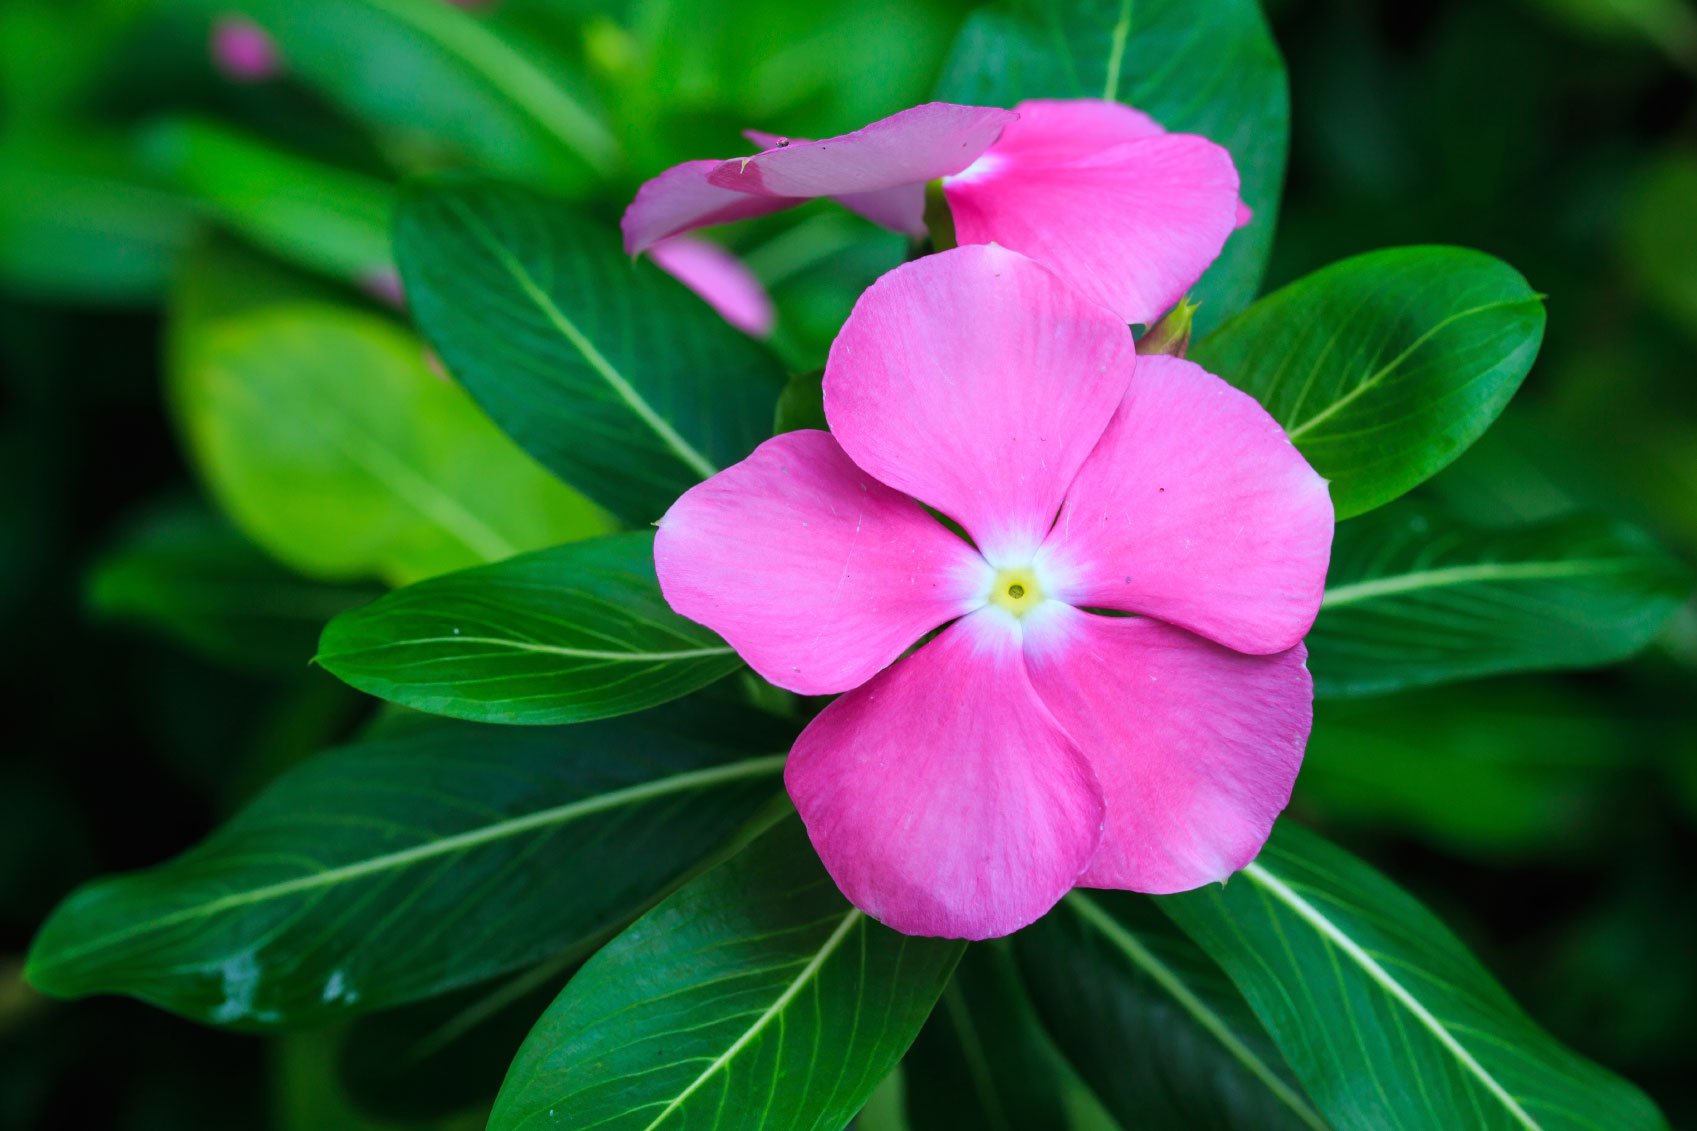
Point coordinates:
pixel 942 797
pixel 917 145
pixel 976 382
pixel 681 200
pixel 901 208
pixel 1132 227
pixel 816 573
pixel 1196 509
pixel 243 51
pixel 1196 747
pixel 720 278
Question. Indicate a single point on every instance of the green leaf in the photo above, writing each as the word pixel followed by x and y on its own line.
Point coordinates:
pixel 189 574
pixel 316 215
pixel 802 404
pixel 434 76
pixel 1384 367
pixel 1659 236
pixel 983 1060
pixel 1203 68
pixel 325 435
pixel 755 996
pixel 1509 768
pixel 1150 1023
pixel 1416 597
pixel 438 856
pixel 563 635
pixel 79 221
pixel 1383 1014
pixel 611 373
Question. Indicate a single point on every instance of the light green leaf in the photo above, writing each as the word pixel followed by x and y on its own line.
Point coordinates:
pixel 325 435
pixel 562 635
pixel 1151 1023
pixel 1415 597
pixel 612 374
pixel 1385 1017
pixel 1205 68
pixel 446 88
pixel 437 856
pixel 1384 367
pixel 316 215
pixel 189 574
pixel 755 996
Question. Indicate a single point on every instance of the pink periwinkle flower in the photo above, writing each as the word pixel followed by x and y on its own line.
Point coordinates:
pixel 1041 739
pixel 1128 214
pixel 719 277
pixel 242 51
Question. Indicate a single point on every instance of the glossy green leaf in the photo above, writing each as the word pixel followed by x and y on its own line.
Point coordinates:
pixel 445 87
pixel 1385 1017
pixel 1384 367
pixel 189 574
pixel 983 1060
pixel 561 635
pixel 437 856
pixel 1151 1024
pixel 1508 768
pixel 611 373
pixel 1415 597
pixel 316 215
pixel 326 436
pixel 1208 68
pixel 755 996
pixel 79 220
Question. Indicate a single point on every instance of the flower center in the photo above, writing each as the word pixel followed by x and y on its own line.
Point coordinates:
pixel 1016 590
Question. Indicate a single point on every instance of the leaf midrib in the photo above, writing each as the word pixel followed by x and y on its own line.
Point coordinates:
pixel 803 978
pixel 1446 576
pixel 1334 934
pixel 616 381
pixel 528 646
pixel 1163 976
pixel 443 846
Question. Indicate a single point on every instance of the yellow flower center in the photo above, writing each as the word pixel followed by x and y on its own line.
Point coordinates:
pixel 1016 590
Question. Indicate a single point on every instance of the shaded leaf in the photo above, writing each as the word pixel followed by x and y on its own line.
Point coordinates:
pixel 755 996
pixel 1383 1014
pixel 1210 69
pixel 407 866
pixel 324 434
pixel 1384 367
pixel 1415 597
pixel 1151 1023
pixel 612 374
pixel 189 574
pixel 562 635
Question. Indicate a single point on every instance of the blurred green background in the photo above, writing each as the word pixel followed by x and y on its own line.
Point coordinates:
pixel 1552 821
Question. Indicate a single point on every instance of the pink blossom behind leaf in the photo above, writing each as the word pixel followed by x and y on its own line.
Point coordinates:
pixel 243 51
pixel 1037 742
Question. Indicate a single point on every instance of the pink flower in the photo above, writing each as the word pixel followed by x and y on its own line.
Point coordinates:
pixel 720 278
pixel 243 51
pixel 1035 743
pixel 1128 214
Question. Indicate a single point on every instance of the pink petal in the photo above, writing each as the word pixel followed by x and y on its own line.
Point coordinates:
pixel 681 200
pixel 901 209
pixel 941 796
pixel 1056 131
pixel 816 573
pixel 917 145
pixel 719 277
pixel 242 51
pixel 1196 746
pixel 976 382
pixel 1197 510
pixel 1132 227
